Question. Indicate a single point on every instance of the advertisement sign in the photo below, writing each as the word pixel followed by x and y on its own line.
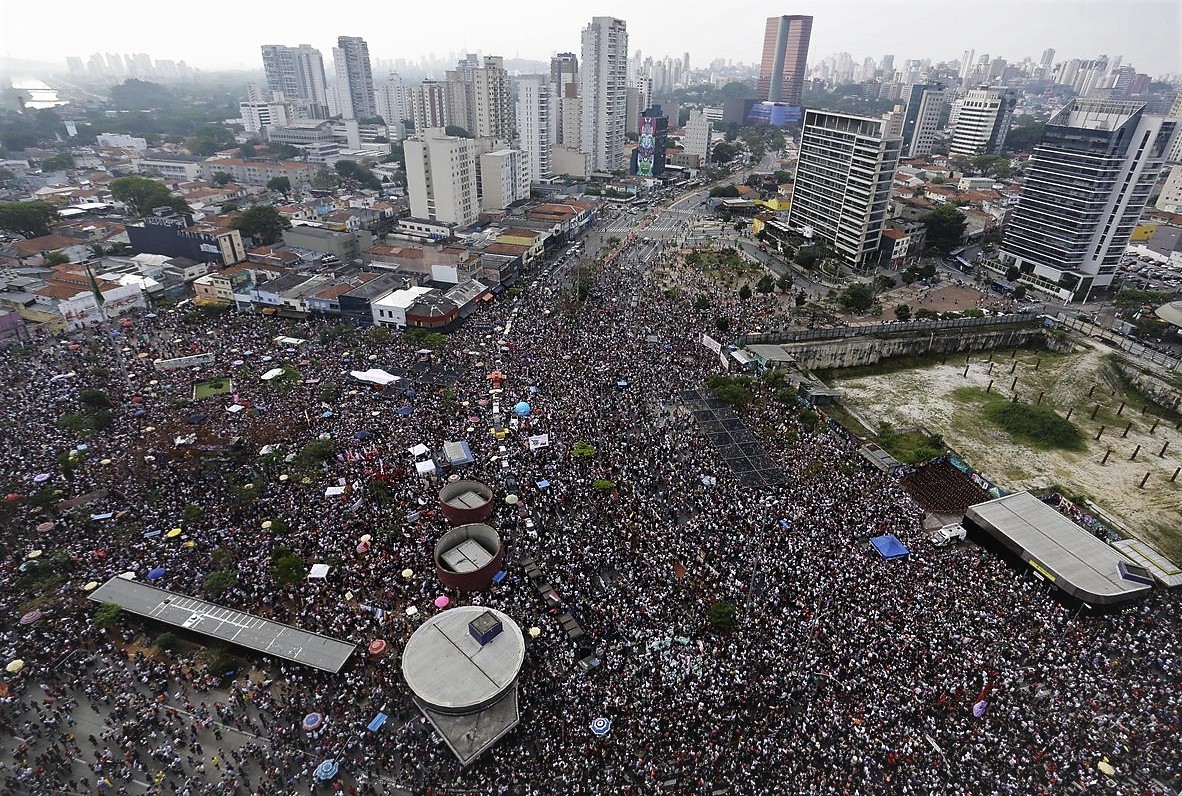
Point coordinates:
pixel 184 362
pixel 646 151
pixel 712 344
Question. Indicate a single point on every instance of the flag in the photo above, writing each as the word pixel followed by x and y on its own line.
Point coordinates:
pixel 94 288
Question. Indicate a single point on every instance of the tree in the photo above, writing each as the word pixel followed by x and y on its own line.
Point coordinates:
pixel 785 283
pixel 1012 273
pixel 262 223
pixel 284 151
pixel 723 152
pixel 721 616
pixel 722 324
pixel 59 162
pixel 1019 292
pixel 288 568
pixel 107 615
pixel 945 227
pixel 30 219
pixel 801 298
pixel 326 180
pixel 217 582
pixel 857 297
pixel 782 176
pixel 724 191
pixel 1025 136
pixel 903 312
pixel 221 178
pixel 247 150
pixel 744 292
pixel 701 302
pixel 884 282
pixel 208 139
pixel 351 170
pixel 143 195
pixel 766 284
pixel 279 185
pixel 55 258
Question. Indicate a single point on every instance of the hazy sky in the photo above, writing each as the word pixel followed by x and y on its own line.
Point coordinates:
pixel 221 34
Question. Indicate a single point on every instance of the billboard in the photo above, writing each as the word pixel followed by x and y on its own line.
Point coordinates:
pixel 646 148
pixel 776 114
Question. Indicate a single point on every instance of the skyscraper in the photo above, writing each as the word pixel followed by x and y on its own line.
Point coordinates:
pixel 537 123
pixel 492 100
pixel 922 105
pixel 603 80
pixel 297 73
pixel 1086 186
pixel 785 54
pixel 982 122
pixel 843 183
pixel 564 76
pixel 355 93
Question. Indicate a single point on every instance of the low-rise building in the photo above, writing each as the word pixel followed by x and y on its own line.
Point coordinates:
pixel 175 235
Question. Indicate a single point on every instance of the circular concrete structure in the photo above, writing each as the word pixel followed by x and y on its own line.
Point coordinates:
pixel 467 557
pixel 466 501
pixel 450 670
pixel 1170 313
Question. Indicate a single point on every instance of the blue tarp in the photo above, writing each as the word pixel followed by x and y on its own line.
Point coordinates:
pixel 889 547
pixel 377 722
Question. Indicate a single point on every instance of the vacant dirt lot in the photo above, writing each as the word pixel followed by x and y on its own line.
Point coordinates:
pixel 935 398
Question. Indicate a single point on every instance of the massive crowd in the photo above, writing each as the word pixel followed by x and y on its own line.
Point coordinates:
pixel 844 674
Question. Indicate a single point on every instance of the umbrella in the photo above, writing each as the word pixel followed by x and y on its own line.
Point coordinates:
pixel 522 409
pixel 1106 767
pixel 406 411
pixel 41 478
pixel 91 586
pixel 174 533
pixel 312 721
pixel 327 770
pixel 45 527
pixel 363 435
pixel 601 726
pixel 31 617
pixel 14 666
pixel 156 573
pixel 377 646
pixel 441 601
pixel 363 547
pixel 535 631
pixel 127 324
pixel 365 537
pixel 979 708
pixel 266 526
pixel 511 499
pixel 33 554
pixel 27 565
pixel 408 574
pixel 105 462
pixel 13 497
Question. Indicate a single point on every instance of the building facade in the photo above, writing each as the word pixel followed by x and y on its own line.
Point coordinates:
pixel 441 177
pixel 843 183
pixel 1086 186
pixel 175 235
pixel 537 126
pixel 298 74
pixel 922 105
pixel 492 100
pixel 699 129
pixel 785 55
pixel 603 77
pixel 355 91
pixel 504 179
pixel 982 121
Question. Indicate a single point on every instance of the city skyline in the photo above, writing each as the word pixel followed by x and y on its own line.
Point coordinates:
pixel 873 28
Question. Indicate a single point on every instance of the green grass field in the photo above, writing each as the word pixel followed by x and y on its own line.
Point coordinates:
pixel 211 387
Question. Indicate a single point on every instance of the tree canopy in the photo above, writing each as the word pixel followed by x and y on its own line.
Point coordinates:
pixel 858 297
pixel 724 191
pixel 723 152
pixel 30 219
pixel 143 195
pixel 209 139
pixel 945 227
pixel 279 185
pixel 262 223
pixel 354 172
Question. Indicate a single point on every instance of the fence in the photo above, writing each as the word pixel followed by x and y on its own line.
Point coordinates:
pixel 908 327
pixel 1117 340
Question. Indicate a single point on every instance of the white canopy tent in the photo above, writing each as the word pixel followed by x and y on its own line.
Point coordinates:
pixel 375 376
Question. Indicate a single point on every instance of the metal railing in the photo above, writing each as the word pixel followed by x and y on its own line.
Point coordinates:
pixel 1117 340
pixel 898 328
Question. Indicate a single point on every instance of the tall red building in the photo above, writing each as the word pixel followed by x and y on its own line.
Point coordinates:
pixel 785 55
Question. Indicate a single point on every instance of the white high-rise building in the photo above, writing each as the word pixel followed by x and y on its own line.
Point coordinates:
pixel 298 74
pixel 392 97
pixel 428 105
pixel 504 179
pixel 982 122
pixel 698 132
pixel 258 115
pixel 355 93
pixel 1086 186
pixel 603 77
pixel 492 100
pixel 843 183
pixel 441 177
pixel 922 105
pixel 536 123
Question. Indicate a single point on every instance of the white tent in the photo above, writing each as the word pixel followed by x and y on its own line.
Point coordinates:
pixel 273 373
pixel 374 376
pixel 425 468
pixel 318 571
pixel 333 491
pixel 418 450
pixel 235 408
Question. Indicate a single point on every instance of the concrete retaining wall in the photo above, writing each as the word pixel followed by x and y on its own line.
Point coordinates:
pixel 862 351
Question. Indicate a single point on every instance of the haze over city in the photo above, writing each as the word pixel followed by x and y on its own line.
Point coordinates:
pixel 223 34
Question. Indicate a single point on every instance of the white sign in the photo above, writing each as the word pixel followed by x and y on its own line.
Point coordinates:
pixel 184 362
pixel 712 344
pixel 539 441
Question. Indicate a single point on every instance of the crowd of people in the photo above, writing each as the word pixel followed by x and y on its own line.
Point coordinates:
pixel 948 672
